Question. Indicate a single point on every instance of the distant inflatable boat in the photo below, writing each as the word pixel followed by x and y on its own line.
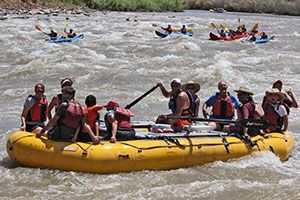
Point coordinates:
pixel 165 34
pixel 261 41
pixel 61 40
pixel 149 151
pixel 218 10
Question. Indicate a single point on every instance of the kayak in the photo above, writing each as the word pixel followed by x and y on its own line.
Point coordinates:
pixel 61 40
pixel 261 41
pixel 148 151
pixel 213 36
pixel 165 34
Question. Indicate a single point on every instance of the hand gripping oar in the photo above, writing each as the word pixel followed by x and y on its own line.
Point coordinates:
pixel 140 98
pixel 246 123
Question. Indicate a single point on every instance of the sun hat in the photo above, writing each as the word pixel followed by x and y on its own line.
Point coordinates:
pixel 277 81
pixel 276 91
pixel 196 86
pixel 244 89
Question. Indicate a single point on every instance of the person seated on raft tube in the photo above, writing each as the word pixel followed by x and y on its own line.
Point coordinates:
pixel 223 105
pixel 117 121
pixel 70 33
pixel 168 29
pixel 275 111
pixel 193 88
pixel 222 33
pixel 181 104
pixel 241 29
pixel 264 36
pixel 56 100
pixel 92 119
pixel 287 102
pixel 68 119
pixel 52 34
pixel 183 29
pixel 34 112
pixel 246 110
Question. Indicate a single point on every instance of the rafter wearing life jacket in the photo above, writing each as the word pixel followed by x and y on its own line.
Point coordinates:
pixel 283 103
pixel 186 112
pixel 223 107
pixel 122 116
pixel 92 117
pixel 38 112
pixel 274 119
pixel 72 116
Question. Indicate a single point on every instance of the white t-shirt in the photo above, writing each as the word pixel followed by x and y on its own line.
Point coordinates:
pixel 280 109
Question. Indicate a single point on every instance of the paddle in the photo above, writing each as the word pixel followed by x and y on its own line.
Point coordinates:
pixel 140 98
pixel 246 123
pixel 214 26
pixel 224 28
pixel 38 27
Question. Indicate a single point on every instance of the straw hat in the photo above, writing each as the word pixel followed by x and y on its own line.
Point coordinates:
pixel 196 86
pixel 276 91
pixel 244 89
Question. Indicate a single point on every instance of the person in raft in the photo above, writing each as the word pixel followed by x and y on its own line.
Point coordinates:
pixel 193 88
pixel 68 119
pixel 34 112
pixel 117 121
pixel 92 119
pixel 223 105
pixel 180 104
pixel 56 100
pixel 70 33
pixel 168 29
pixel 52 34
pixel 275 111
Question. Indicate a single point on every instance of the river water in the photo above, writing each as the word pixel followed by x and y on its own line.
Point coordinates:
pixel 121 60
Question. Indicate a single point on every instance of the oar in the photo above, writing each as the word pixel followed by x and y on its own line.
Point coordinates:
pixel 214 26
pixel 224 28
pixel 38 27
pixel 246 123
pixel 140 98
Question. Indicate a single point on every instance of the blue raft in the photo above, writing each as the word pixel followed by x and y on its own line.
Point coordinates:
pixel 61 40
pixel 261 41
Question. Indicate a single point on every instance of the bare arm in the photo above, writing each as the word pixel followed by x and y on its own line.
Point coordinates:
pixel 163 90
pixel 204 112
pixel 294 101
pixel 285 123
pixel 111 119
pixel 51 106
pixel 23 118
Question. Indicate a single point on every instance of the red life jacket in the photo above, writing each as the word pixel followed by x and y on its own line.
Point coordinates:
pixel 38 112
pixel 73 114
pixel 122 116
pixel 272 116
pixel 222 105
pixel 92 116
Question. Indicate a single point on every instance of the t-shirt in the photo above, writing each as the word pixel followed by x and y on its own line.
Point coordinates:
pixel 280 109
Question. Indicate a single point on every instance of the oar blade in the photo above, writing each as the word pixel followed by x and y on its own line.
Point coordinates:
pixel 38 27
pixel 213 25
pixel 257 123
pixel 155 25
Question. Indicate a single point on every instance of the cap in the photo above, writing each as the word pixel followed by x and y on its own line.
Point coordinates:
pixel 176 80
pixel 244 89
pixel 39 86
pixel 112 103
pixel 66 82
pixel 277 81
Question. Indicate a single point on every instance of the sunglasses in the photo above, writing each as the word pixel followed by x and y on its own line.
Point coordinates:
pixel 39 91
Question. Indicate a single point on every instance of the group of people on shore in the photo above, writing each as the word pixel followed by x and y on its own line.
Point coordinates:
pixel 74 122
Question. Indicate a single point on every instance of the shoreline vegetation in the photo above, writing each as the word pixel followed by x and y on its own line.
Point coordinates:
pixel 282 7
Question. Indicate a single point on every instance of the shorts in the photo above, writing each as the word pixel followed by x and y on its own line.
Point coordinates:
pixel 32 127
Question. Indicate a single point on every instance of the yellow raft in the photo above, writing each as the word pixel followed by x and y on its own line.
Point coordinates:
pixel 158 153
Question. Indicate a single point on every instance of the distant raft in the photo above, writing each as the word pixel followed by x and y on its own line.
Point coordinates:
pixel 61 40
pixel 213 36
pixel 147 152
pixel 261 41
pixel 165 34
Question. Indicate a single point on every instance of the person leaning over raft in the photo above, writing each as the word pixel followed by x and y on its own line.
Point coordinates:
pixel 168 29
pixel 193 88
pixel 275 111
pixel 68 119
pixel 223 105
pixel 180 105
pixel 56 100
pixel 245 111
pixel 34 112
pixel 117 121
pixel 70 33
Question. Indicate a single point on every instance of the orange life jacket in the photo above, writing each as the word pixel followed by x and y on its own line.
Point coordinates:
pixel 223 107
pixel 72 116
pixel 92 116
pixel 38 112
